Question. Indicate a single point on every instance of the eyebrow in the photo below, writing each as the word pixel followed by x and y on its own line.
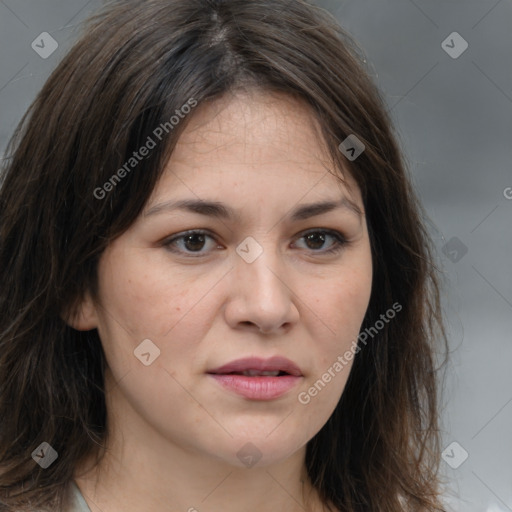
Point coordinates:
pixel 220 210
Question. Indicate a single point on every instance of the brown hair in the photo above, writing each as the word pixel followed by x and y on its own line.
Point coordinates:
pixel 136 64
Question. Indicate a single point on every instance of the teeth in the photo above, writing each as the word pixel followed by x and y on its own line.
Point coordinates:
pixel 252 373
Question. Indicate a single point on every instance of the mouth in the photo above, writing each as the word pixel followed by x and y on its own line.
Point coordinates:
pixel 256 367
pixel 256 373
pixel 258 379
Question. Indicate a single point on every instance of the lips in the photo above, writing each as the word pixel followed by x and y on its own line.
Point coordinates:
pixel 258 379
pixel 254 367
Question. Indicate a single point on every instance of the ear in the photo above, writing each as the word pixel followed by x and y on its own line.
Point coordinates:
pixel 82 316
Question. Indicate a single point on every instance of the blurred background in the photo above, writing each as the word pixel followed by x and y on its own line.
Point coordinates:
pixel 445 71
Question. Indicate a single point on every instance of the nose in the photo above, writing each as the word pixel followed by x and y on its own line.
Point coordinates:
pixel 261 295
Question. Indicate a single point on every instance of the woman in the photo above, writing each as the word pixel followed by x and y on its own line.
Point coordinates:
pixel 217 292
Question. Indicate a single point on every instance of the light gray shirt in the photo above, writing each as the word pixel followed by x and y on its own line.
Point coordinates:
pixel 78 503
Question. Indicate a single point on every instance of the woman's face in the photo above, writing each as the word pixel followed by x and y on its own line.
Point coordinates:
pixel 259 283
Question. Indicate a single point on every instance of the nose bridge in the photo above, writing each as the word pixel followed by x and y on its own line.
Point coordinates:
pixel 261 283
pixel 259 265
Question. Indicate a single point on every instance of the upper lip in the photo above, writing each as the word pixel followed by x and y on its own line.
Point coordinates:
pixel 255 363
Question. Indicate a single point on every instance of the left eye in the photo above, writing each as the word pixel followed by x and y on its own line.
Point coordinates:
pixel 319 237
pixel 193 241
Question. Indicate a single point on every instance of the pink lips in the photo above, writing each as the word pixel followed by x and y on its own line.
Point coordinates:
pixel 260 387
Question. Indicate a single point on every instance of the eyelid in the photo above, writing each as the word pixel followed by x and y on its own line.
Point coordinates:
pixel 340 238
pixel 166 242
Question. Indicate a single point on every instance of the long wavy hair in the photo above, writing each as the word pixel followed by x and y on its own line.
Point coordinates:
pixel 136 64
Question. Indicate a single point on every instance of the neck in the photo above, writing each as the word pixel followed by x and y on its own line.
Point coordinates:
pixel 131 481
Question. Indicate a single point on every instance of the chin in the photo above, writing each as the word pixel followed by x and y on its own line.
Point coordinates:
pixel 259 450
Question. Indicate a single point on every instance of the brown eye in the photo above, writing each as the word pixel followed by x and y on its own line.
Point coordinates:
pixel 189 242
pixel 316 240
pixel 194 242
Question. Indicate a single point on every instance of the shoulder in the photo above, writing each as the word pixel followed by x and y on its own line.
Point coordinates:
pixel 76 501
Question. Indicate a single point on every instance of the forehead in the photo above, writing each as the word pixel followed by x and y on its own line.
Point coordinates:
pixel 254 126
pixel 273 133
pixel 253 150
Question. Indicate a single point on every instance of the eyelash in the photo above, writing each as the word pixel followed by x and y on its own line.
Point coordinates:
pixel 340 241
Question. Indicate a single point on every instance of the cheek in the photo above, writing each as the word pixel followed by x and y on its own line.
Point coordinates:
pixel 144 300
pixel 342 307
pixel 148 295
pixel 346 301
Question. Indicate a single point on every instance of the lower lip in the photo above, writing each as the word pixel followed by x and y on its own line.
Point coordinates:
pixel 257 388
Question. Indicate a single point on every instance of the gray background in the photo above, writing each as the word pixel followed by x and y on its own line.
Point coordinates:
pixel 454 119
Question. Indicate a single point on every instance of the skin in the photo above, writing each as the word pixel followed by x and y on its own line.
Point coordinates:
pixel 174 431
